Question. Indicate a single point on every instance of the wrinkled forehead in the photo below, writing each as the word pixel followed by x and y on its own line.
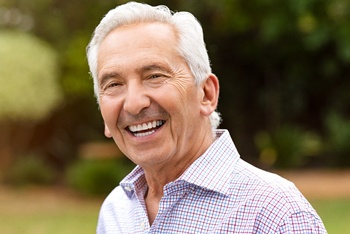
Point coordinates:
pixel 139 43
pixel 154 35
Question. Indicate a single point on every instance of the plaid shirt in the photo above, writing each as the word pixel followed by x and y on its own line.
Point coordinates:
pixel 218 193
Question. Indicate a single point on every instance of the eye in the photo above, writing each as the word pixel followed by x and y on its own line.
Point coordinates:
pixel 153 76
pixel 113 84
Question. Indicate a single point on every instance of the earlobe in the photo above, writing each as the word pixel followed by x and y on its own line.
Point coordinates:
pixel 211 95
pixel 107 132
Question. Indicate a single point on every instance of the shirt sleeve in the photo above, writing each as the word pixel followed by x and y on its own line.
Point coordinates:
pixel 302 223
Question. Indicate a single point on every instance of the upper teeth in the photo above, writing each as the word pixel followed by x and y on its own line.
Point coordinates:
pixel 145 126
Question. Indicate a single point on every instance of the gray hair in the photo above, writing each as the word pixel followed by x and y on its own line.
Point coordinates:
pixel 191 42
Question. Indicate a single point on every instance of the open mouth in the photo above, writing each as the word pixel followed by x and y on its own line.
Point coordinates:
pixel 145 129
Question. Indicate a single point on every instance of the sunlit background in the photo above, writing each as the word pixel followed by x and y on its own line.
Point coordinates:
pixel 284 70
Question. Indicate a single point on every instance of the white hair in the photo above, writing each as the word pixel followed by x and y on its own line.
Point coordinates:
pixel 191 42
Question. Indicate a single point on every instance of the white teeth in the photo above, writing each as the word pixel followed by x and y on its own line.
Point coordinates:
pixel 144 133
pixel 145 126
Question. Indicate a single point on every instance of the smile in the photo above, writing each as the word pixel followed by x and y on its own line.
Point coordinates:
pixel 145 129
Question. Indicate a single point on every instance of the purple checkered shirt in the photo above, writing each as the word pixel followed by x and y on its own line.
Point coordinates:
pixel 218 193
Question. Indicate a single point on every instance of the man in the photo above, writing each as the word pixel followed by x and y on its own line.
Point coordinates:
pixel 158 97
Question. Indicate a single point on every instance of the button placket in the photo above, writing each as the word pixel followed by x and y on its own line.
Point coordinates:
pixel 172 194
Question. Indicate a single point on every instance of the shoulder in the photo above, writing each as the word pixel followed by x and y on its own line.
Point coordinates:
pixel 107 213
pixel 117 194
pixel 275 201
pixel 116 204
pixel 265 187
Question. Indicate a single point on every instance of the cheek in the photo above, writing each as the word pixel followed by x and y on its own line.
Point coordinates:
pixel 182 103
pixel 109 110
pixel 181 90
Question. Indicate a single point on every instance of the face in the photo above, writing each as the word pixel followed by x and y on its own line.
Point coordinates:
pixel 148 99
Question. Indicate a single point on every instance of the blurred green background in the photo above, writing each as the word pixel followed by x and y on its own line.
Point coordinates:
pixel 283 66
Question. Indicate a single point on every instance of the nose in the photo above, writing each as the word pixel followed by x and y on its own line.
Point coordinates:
pixel 136 98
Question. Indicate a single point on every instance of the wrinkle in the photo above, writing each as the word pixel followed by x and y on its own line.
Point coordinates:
pixel 153 112
pixel 181 79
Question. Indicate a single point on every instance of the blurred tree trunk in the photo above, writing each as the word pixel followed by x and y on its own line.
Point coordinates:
pixel 6 154
pixel 15 140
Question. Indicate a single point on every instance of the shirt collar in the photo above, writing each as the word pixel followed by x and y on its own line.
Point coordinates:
pixel 213 170
pixel 135 181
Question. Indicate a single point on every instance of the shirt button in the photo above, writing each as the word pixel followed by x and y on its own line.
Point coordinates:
pixel 142 224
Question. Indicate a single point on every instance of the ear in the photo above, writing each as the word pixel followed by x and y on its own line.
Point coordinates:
pixel 210 97
pixel 107 132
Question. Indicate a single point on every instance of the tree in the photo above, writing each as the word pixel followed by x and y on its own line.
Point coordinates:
pixel 29 90
pixel 280 63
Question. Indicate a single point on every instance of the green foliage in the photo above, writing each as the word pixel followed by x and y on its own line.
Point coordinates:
pixel 97 177
pixel 338 139
pixel 278 62
pixel 287 147
pixel 31 169
pixel 76 80
pixel 28 75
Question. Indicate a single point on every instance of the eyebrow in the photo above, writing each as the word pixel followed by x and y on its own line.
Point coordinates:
pixel 107 76
pixel 155 66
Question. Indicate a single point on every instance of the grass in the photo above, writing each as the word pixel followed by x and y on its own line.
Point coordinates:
pixel 82 221
pixel 29 211
pixel 335 214
pixel 37 211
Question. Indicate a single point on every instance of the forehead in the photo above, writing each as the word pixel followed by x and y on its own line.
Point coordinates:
pixel 137 43
pixel 141 34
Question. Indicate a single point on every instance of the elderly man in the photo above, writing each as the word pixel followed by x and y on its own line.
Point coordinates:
pixel 158 97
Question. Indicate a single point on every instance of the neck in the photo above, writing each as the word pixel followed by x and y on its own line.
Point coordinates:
pixel 156 180
pixel 157 176
pixel 160 174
